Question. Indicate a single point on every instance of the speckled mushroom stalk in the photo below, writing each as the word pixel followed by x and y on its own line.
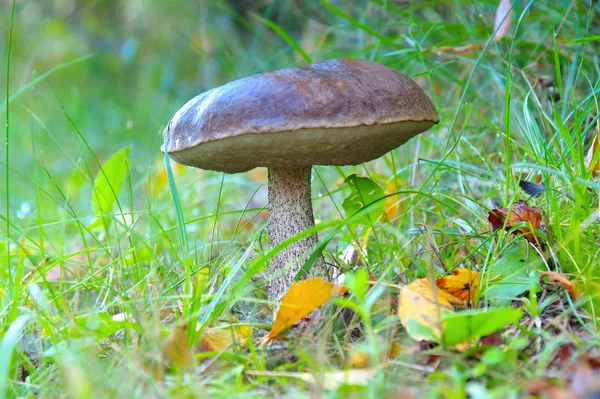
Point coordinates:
pixel 290 213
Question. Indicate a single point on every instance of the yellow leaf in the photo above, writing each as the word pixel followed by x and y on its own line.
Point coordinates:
pixel 158 180
pixel 392 203
pixel 462 285
pixel 301 299
pixel 422 302
pixel 176 348
pixel 358 359
pixel 219 339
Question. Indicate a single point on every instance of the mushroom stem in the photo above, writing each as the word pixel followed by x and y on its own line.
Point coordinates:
pixel 290 213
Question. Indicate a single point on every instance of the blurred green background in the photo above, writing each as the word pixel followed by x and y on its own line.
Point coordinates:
pixel 90 78
pixel 109 74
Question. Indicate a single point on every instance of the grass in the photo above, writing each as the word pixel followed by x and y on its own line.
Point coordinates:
pixel 98 289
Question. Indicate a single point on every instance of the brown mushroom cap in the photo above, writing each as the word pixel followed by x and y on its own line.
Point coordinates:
pixel 338 112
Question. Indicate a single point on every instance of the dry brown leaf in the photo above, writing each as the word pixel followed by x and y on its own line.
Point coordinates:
pixel 520 213
pixel 570 286
pixel 589 158
pixel 176 347
pixel 458 49
pixel 462 284
pixel 501 24
pixel 422 302
pixel 221 338
pixel 301 299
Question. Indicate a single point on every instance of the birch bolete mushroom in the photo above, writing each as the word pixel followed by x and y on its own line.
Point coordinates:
pixel 337 112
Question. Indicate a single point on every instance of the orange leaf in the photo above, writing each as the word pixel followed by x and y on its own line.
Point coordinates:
pixel 521 212
pixel 570 286
pixel 422 302
pixel 589 158
pixel 462 284
pixel 301 299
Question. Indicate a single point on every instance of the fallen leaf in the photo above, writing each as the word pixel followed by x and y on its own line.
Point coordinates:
pixel 546 389
pixel 503 19
pixel 176 348
pixel 584 380
pixel 520 213
pixel 467 326
pixel 400 395
pixel 358 359
pixel 570 286
pixel 301 299
pixel 589 158
pixel 217 339
pixel 457 49
pixel 494 339
pixel 328 380
pixel 462 285
pixel 420 309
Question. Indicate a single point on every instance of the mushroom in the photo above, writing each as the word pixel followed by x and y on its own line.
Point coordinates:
pixel 337 112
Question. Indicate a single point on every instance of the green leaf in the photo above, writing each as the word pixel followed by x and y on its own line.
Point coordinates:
pixel 364 192
pixel 510 273
pixel 473 324
pixel 108 182
pixel 358 283
pixel 420 332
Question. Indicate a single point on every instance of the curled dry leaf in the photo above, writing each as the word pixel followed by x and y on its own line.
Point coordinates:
pixel 503 19
pixel 570 286
pixel 421 305
pixel 301 299
pixel 218 339
pixel 589 158
pixel 458 49
pixel 461 285
pixel 521 213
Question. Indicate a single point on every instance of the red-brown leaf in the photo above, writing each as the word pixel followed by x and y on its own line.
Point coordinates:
pixel 520 213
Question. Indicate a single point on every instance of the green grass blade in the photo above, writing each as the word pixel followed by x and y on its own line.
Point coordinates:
pixel 285 36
